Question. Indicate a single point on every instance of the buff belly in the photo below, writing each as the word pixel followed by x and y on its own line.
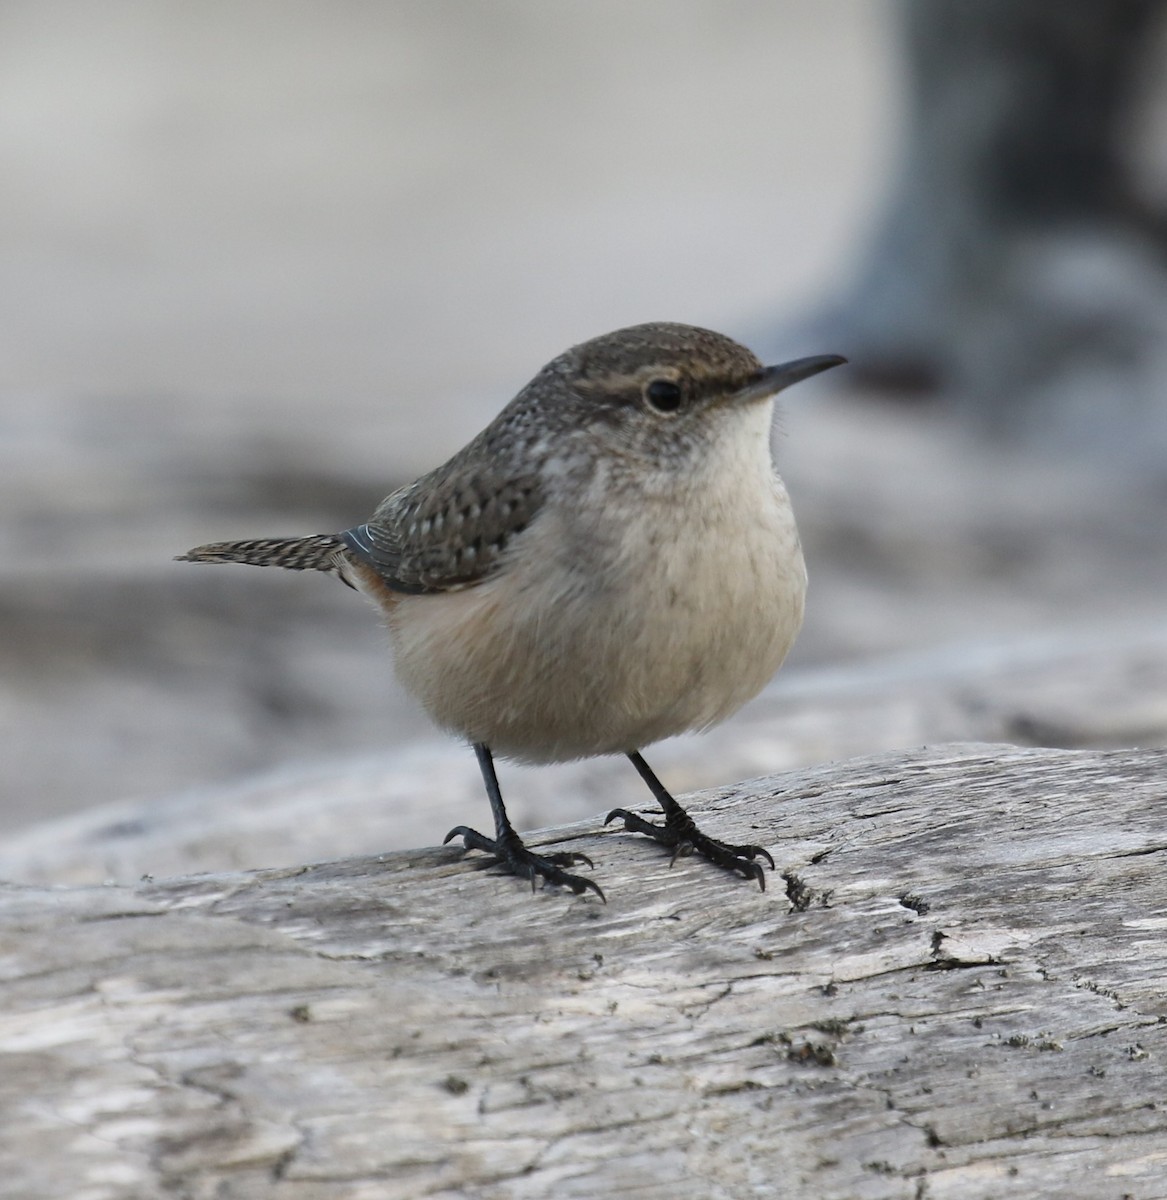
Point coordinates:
pixel 574 649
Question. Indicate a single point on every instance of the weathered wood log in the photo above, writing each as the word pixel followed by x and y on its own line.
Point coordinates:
pixel 955 986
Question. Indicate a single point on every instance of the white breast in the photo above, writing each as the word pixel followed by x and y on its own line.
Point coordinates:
pixel 619 619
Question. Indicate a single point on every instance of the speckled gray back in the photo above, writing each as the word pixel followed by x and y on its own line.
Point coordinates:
pixel 450 528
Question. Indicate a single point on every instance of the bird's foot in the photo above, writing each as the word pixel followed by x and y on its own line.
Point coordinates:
pixel 510 853
pixel 680 834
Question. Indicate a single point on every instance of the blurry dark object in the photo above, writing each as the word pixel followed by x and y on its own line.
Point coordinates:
pixel 1020 269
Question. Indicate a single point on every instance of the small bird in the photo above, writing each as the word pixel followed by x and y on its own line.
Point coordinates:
pixel 613 560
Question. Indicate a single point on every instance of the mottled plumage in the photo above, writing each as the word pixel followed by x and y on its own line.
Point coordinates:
pixel 320 552
pixel 448 532
pixel 449 529
pixel 611 561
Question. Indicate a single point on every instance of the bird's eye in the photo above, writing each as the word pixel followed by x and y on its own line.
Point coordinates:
pixel 663 395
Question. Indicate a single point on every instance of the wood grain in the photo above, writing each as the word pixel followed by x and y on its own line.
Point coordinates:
pixel 955 986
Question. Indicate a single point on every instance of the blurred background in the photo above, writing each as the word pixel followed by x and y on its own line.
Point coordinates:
pixel 265 261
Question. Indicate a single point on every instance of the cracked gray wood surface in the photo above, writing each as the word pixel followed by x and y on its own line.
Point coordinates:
pixel 955 986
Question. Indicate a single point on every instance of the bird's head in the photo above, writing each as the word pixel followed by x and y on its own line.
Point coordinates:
pixel 664 391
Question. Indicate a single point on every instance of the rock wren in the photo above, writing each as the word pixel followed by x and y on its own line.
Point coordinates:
pixel 612 561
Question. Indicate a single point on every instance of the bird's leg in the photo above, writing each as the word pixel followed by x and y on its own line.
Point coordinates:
pixel 507 847
pixel 681 835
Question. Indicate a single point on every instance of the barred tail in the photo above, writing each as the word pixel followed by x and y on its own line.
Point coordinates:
pixel 321 552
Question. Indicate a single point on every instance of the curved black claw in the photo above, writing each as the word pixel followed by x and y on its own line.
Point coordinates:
pixel 512 856
pixel 680 834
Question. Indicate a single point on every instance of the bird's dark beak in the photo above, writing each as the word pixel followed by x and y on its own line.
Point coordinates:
pixel 772 380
